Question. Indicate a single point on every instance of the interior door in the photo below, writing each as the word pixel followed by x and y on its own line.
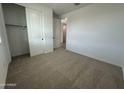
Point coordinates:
pixel 35 31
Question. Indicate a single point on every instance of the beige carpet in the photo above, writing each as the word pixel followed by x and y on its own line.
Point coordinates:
pixel 62 69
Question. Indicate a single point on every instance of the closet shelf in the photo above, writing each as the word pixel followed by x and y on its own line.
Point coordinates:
pixel 15 25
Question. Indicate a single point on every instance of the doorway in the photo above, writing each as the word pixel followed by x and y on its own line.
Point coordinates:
pixel 64 31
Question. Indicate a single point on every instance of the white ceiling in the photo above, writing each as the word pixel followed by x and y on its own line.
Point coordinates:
pixel 62 8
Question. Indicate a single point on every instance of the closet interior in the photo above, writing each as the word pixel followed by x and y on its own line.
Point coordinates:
pixel 16 28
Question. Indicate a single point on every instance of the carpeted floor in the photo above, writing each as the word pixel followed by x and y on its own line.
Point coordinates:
pixel 62 69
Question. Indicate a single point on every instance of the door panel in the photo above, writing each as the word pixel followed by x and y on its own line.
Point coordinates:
pixel 48 30
pixel 35 31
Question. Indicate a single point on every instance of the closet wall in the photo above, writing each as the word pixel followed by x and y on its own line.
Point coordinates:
pixel 15 20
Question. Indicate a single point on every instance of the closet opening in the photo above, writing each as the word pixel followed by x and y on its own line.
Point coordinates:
pixel 16 29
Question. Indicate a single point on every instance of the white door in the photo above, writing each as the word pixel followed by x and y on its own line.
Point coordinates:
pixel 35 31
pixel 48 30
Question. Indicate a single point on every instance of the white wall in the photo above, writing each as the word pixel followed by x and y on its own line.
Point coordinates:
pixel 57 32
pixel 17 35
pixel 98 32
pixel 4 51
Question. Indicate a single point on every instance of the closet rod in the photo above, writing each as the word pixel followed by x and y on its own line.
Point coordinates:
pixel 15 25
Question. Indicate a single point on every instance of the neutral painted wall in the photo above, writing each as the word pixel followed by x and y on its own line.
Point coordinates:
pixel 4 51
pixel 97 31
pixel 17 35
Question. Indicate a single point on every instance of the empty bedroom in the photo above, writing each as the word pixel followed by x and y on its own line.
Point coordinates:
pixel 61 45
